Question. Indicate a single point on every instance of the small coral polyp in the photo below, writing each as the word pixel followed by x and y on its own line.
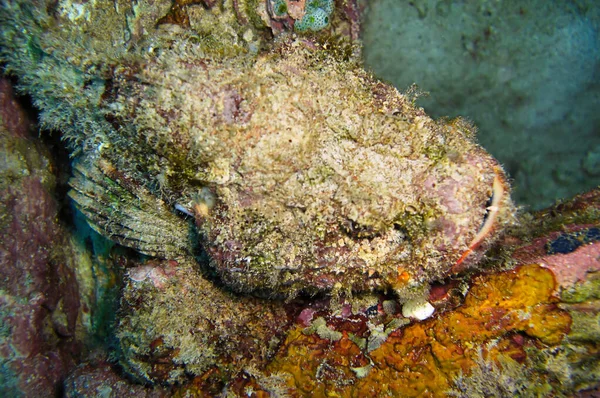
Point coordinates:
pixel 313 17
pixel 318 14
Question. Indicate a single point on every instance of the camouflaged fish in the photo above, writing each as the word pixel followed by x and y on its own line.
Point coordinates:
pixel 302 172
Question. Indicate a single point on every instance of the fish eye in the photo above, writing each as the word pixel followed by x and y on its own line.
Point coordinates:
pixel 488 204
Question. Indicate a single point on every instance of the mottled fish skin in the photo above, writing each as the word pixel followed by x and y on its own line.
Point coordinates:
pixel 304 173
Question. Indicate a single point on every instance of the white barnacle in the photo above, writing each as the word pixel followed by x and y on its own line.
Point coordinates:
pixel 419 309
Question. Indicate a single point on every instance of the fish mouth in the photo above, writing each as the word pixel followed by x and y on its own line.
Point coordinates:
pixel 499 192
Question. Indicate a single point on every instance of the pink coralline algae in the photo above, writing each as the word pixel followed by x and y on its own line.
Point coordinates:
pixel 39 299
pixel 574 267
pixel 156 274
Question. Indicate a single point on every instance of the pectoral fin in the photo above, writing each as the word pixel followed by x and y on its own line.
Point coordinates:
pixel 124 211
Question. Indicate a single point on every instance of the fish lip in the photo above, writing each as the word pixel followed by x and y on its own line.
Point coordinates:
pixel 499 192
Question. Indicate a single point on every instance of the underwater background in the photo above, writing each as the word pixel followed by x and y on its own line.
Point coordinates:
pixel 525 72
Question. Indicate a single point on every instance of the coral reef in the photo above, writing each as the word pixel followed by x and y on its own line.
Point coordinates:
pixel 57 290
pixel 531 330
pixel 298 227
pixel 503 314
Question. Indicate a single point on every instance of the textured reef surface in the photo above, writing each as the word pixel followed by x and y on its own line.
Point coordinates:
pixel 270 218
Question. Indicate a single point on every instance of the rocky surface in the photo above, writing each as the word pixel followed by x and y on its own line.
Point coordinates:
pixel 39 296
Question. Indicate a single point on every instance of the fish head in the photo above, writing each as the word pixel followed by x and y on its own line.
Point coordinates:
pixel 354 198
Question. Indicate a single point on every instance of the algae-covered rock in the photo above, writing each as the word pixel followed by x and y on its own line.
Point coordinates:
pixel 41 328
pixel 504 315
pixel 174 324
pixel 303 173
